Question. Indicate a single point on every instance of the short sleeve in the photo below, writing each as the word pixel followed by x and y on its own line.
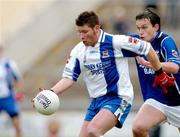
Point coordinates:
pixel 14 70
pixel 72 68
pixel 132 44
pixel 170 51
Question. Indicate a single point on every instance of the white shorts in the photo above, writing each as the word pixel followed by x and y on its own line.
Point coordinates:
pixel 171 112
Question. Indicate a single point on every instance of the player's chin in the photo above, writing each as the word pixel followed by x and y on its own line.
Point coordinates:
pixel 86 43
pixel 144 38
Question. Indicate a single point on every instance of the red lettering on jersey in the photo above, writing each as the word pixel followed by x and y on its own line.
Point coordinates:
pixel 105 53
pixel 130 40
pixel 135 41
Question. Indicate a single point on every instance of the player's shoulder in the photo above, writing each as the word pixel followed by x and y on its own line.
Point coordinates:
pixel 7 60
pixel 134 36
pixel 165 39
pixel 108 34
pixel 119 37
pixel 163 36
pixel 77 49
pixel 116 37
pixel 125 38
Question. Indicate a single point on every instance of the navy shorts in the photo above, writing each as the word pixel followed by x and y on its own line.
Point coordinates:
pixel 117 105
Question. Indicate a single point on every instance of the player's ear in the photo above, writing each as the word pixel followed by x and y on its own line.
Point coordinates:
pixel 97 27
pixel 156 26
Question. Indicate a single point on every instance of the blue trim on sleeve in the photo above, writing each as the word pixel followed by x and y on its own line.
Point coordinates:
pixel 170 51
pixel 127 53
pixel 77 70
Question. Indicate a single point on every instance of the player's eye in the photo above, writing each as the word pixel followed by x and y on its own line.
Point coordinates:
pixel 83 32
pixel 138 28
pixel 144 27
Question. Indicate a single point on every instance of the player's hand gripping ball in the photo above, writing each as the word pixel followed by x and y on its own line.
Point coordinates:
pixel 46 102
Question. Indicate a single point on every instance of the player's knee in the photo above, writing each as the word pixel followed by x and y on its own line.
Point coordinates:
pixel 179 129
pixel 139 129
pixel 93 131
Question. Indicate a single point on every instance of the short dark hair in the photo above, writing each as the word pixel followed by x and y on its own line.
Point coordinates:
pixel 150 15
pixel 87 18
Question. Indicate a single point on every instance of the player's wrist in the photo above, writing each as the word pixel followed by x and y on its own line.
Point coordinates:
pixel 52 90
pixel 159 71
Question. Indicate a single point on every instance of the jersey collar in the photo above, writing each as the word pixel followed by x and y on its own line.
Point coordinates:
pixel 101 36
pixel 158 35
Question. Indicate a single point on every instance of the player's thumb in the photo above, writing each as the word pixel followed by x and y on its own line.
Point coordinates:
pixel 41 89
pixel 171 79
pixel 164 90
pixel 155 83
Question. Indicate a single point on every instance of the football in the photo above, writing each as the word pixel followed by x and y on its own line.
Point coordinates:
pixel 46 102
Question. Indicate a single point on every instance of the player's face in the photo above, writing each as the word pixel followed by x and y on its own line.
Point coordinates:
pixel 146 30
pixel 88 35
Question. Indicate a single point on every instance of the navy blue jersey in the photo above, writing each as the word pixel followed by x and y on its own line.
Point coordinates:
pixel 167 51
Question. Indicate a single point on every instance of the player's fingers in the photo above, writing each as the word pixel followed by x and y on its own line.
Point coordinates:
pixel 164 90
pixel 171 79
pixel 155 83
pixel 41 89
pixel 32 100
pixel 141 60
pixel 19 96
pixel 171 83
pixel 138 59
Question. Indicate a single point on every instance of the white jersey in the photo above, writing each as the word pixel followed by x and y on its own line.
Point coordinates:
pixel 104 66
pixel 8 73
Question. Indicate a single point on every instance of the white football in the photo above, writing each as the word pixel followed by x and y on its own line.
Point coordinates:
pixel 46 102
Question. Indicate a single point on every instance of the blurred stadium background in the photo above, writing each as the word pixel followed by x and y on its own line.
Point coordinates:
pixel 39 35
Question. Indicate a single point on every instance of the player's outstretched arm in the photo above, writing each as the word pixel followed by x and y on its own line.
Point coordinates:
pixel 58 88
pixel 19 85
pixel 62 85
pixel 168 67
pixel 161 79
pixel 142 61
pixel 153 59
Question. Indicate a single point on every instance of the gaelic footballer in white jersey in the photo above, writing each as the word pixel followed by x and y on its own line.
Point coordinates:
pixel 105 66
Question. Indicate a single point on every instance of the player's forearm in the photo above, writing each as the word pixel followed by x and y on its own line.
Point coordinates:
pixel 62 85
pixel 153 59
pixel 19 85
pixel 170 67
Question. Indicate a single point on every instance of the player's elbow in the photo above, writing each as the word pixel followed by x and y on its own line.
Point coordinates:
pixel 176 69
